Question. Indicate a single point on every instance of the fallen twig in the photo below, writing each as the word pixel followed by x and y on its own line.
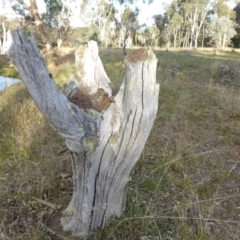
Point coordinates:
pixel 51 205
pixel 50 230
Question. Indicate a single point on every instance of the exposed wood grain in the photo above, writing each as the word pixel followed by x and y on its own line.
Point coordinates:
pixel 105 133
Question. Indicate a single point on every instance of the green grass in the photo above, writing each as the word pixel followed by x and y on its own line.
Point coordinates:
pixel 62 75
pixel 8 72
pixel 186 183
pixel 6 69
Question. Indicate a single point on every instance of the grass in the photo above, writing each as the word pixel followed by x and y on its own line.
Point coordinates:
pixel 186 183
pixel 6 68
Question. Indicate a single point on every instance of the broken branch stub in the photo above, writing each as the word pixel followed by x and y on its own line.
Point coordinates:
pixel 105 133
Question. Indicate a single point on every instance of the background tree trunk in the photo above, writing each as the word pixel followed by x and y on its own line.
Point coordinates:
pixel 3 40
pixel 105 133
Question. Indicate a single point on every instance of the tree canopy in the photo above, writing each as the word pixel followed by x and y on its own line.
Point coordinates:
pixel 184 23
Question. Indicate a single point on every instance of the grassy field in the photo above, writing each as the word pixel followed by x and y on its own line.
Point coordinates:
pixel 186 185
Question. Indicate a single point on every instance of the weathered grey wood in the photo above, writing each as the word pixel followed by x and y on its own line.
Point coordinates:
pixel 105 133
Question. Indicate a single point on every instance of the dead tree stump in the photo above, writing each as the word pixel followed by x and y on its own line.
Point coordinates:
pixel 105 133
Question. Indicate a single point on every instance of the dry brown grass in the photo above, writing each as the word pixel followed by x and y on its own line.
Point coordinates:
pixel 186 184
pixel 30 167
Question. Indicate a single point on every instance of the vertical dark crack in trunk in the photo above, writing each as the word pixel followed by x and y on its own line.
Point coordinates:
pixel 113 177
pixel 94 207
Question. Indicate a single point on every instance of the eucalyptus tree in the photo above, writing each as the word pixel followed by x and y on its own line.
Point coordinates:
pixel 200 8
pixel 174 27
pixel 153 35
pixel 173 23
pixel 53 10
pixel 51 17
pixel 3 37
pixel 222 9
pixel 222 27
pixel 102 15
pixel 236 9
pixel 225 12
pixel 64 22
pixel 185 19
pixel 236 38
pixel 30 15
pixel 161 22
pixel 221 30
pixel 57 15
pixel 128 24
pixel 120 14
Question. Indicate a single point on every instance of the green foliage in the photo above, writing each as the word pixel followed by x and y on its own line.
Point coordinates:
pixel 237 12
pixel 95 37
pixel 53 9
pixel 223 10
pixel 221 30
pixel 19 10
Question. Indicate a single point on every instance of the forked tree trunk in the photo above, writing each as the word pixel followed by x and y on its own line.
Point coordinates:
pixel 105 133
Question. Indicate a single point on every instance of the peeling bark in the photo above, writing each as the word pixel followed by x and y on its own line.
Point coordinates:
pixel 104 132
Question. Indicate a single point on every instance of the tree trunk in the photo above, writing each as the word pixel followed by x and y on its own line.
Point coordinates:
pixel 196 40
pixel 203 36
pixel 224 40
pixel 59 43
pixel 174 40
pixel 4 39
pixel 105 133
pixel 41 32
pixel 124 44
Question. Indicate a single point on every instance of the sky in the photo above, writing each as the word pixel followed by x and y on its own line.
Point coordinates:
pixel 147 11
